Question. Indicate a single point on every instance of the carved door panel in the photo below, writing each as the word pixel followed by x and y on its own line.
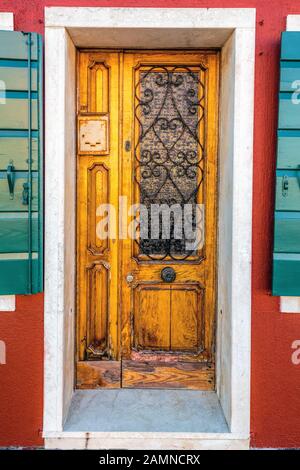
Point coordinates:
pixel 98 349
pixel 147 145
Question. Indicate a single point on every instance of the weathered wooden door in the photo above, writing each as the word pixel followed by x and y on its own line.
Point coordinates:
pixel 147 174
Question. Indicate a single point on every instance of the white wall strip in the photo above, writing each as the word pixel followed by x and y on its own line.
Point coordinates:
pixel 7 21
pixel 7 303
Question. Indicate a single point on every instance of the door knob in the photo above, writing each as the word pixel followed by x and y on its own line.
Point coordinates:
pixel 168 275
pixel 129 278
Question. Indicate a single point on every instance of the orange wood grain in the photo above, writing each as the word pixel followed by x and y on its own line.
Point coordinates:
pixel 98 374
pixel 186 319
pixel 187 375
pixel 152 318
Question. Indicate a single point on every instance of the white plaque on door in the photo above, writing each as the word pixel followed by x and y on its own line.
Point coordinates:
pixel 93 134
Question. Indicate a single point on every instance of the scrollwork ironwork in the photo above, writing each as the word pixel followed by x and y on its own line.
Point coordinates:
pixel 169 148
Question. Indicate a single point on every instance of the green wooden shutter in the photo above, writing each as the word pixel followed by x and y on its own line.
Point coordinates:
pixel 21 163
pixel 286 256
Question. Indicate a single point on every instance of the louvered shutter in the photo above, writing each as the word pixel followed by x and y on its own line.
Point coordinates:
pixel 286 256
pixel 21 163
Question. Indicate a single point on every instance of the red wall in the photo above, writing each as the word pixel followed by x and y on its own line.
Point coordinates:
pixel 21 378
pixel 275 401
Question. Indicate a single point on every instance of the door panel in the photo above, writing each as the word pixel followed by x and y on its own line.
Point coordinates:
pixel 170 119
pixel 97 310
pixel 147 132
pixel 186 319
pixel 97 183
pixel 151 329
pixel 168 318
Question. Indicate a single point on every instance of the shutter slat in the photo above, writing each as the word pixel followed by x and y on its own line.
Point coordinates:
pixel 289 115
pixel 15 271
pixel 287 200
pixel 290 45
pixel 13 45
pixel 16 78
pixel 287 222
pixel 289 75
pixel 16 148
pixel 16 204
pixel 288 150
pixel 286 274
pixel 14 115
pixel 13 233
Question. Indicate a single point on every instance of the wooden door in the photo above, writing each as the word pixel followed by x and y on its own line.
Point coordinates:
pixel 147 145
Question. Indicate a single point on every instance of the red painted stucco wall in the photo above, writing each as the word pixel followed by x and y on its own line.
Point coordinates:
pixel 275 380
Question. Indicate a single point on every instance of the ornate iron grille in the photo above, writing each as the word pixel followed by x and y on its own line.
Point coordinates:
pixel 169 154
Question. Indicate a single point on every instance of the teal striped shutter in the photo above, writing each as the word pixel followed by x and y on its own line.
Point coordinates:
pixel 21 163
pixel 286 256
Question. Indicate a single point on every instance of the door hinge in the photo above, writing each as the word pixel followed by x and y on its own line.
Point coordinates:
pixel 285 186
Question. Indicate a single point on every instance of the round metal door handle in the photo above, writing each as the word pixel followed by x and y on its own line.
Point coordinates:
pixel 129 278
pixel 168 275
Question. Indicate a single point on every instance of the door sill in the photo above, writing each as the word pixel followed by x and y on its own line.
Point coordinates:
pixel 145 419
